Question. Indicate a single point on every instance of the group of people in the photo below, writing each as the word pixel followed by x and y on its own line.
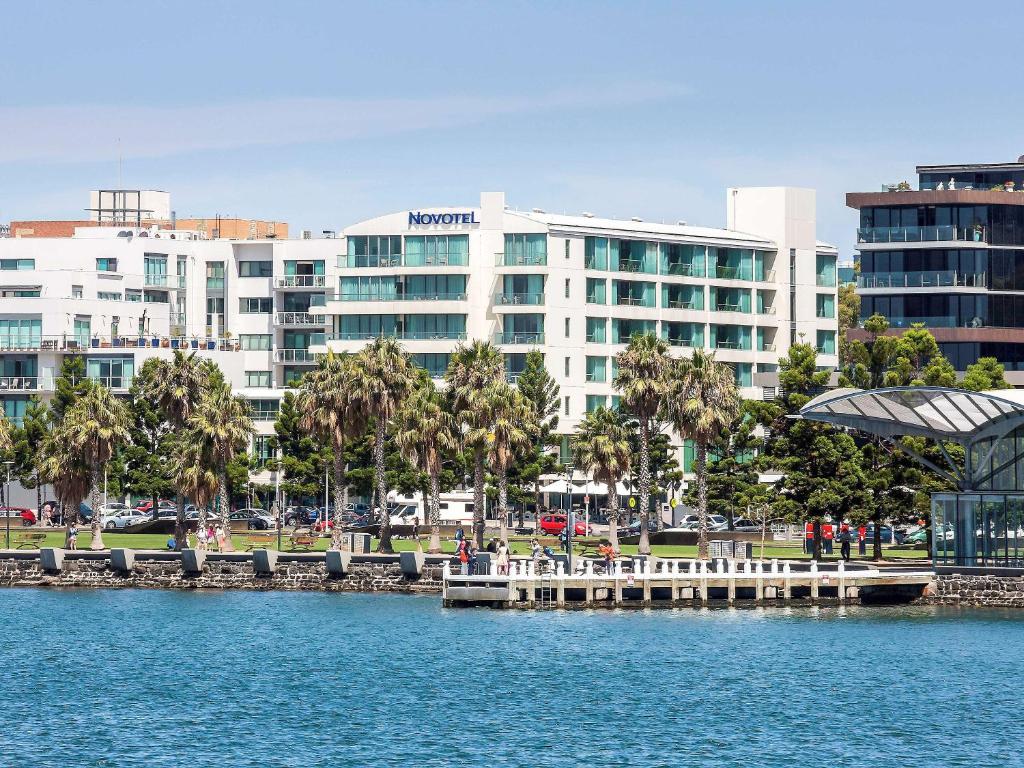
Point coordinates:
pixel 205 538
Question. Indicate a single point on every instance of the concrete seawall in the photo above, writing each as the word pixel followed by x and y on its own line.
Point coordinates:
pixel 243 570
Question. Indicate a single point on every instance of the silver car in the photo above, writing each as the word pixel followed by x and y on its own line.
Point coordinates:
pixel 123 518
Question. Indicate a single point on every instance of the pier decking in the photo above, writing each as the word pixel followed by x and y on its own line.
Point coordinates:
pixel 680 582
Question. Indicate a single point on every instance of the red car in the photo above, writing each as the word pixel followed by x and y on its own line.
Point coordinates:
pixel 555 524
pixel 28 517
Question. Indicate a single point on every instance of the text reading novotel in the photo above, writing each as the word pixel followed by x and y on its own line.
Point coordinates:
pixel 415 217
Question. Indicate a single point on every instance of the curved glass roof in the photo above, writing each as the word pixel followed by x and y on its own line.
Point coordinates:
pixel 936 412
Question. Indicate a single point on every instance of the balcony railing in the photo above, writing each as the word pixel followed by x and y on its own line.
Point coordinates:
pixel 521 260
pixel 766 348
pixel 19 383
pixel 156 281
pixel 402 335
pixel 729 344
pixel 294 356
pixel 722 307
pixel 825 281
pixel 300 281
pixel 679 341
pixel 766 311
pixel 512 337
pixel 632 301
pixel 402 297
pixel 299 318
pixel 684 269
pixel 766 277
pixel 593 338
pixel 935 321
pixel 403 260
pixel 920 234
pixel 635 266
pixel 680 304
pixel 113 382
pixel 729 273
pixel 938 279
pixel 529 299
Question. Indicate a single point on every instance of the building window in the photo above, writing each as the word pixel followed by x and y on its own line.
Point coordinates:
pixel 108 296
pixel 567 327
pixel 17 264
pixel 255 341
pixel 825 305
pixel 25 333
pixel 106 265
pixel 597 329
pixel 264 410
pixel 76 291
pixel 567 367
pixel 215 275
pixel 255 268
pixel 250 305
pixel 132 295
pixel 597 290
pixel 259 379
pixel 826 342
pixel 825 270
pixel 262 448
pixel 566 405
pixel 596 401
pixel 567 287
pixel 567 252
pixel 597 368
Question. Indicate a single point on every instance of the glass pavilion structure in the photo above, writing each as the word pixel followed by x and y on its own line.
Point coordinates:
pixel 982 523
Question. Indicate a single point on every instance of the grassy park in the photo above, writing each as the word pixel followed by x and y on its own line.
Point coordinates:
pixel 520 545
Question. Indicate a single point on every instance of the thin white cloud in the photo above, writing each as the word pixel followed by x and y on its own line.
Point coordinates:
pixel 92 132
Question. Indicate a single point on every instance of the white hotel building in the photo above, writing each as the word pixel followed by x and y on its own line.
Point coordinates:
pixel 575 287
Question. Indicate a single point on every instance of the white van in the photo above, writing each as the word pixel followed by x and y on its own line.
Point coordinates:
pixel 456 508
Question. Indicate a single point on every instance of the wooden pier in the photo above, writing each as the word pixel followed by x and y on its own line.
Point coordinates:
pixel 681 582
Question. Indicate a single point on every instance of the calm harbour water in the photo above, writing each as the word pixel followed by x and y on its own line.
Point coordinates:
pixel 152 678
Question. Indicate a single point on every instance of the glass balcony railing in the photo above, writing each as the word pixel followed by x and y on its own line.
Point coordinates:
pixel 724 307
pixel 933 321
pixel 403 260
pixel 294 356
pixel 681 304
pixel 921 234
pixel 521 260
pixel 825 281
pixel 300 281
pixel 299 318
pixel 683 268
pixel 729 273
pixel 156 281
pixel 679 341
pixel 113 382
pixel 19 383
pixel 529 299
pixel 939 279
pixel 514 337
pixel 633 301
pixel 402 297
pixel 596 338
pixel 401 335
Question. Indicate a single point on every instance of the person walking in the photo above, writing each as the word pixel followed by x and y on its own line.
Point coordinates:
pixel 502 558
pixel 472 552
pixel 844 541
pixel 462 551
pixel 201 538
pixel 535 553
pixel 607 551
pixel 73 536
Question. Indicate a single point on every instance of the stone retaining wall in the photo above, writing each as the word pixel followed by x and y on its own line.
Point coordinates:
pixel 979 589
pixel 368 573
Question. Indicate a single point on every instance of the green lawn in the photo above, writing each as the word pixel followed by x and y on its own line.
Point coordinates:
pixel 520 545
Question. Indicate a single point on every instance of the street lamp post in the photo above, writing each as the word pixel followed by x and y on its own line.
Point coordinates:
pixel 570 523
pixel 277 501
pixel 7 501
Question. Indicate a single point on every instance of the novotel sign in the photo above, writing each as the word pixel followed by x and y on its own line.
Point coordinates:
pixel 417 217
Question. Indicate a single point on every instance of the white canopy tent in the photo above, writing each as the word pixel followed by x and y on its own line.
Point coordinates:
pixel 581 488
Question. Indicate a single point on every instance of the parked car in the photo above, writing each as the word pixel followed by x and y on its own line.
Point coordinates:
pixel 26 515
pixel 193 515
pixel 146 507
pixel 746 526
pixel 633 529
pixel 122 518
pixel 555 524
pixel 920 536
pixel 887 534
pixel 254 519
pixel 300 515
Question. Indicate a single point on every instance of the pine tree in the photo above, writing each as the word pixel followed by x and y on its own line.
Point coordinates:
pixel 304 457
pixel 70 385
pixel 542 393
pixel 28 440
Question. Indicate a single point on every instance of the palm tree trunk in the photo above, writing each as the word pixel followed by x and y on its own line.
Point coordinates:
pixel 613 514
pixel 536 505
pixel 180 534
pixel 97 522
pixel 382 491
pixel 503 504
pixel 435 515
pixel 225 512
pixel 478 497
pixel 644 547
pixel 702 501
pixel 340 491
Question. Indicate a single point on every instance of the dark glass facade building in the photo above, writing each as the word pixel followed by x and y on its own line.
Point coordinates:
pixel 950 255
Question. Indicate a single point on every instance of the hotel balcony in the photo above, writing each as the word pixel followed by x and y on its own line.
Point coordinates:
pixel 511 337
pixel 946 233
pixel 521 260
pixel 300 281
pixel 503 300
pixel 949 278
pixel 295 356
pixel 299 319
pixel 10 384
pixel 403 260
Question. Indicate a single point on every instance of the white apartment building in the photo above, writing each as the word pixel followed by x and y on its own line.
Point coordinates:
pixel 576 287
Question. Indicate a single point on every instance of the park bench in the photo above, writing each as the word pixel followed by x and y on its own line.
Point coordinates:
pixel 258 540
pixel 28 540
pixel 306 541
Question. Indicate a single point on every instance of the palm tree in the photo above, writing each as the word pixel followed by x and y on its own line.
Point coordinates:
pixel 642 379
pixel 473 369
pixel 6 442
pixel 512 431
pixel 176 388
pixel 96 426
pixel 220 429
pixel 330 413
pixel 64 468
pixel 193 474
pixel 601 448
pixel 703 401
pixel 425 431
pixel 382 378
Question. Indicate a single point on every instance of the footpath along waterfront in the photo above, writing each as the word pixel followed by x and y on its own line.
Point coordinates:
pixel 168 678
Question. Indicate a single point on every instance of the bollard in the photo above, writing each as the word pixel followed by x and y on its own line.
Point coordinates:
pixel 559 570
pixel 787 589
pixel 814 580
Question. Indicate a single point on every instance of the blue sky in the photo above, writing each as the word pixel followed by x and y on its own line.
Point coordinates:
pixel 323 113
